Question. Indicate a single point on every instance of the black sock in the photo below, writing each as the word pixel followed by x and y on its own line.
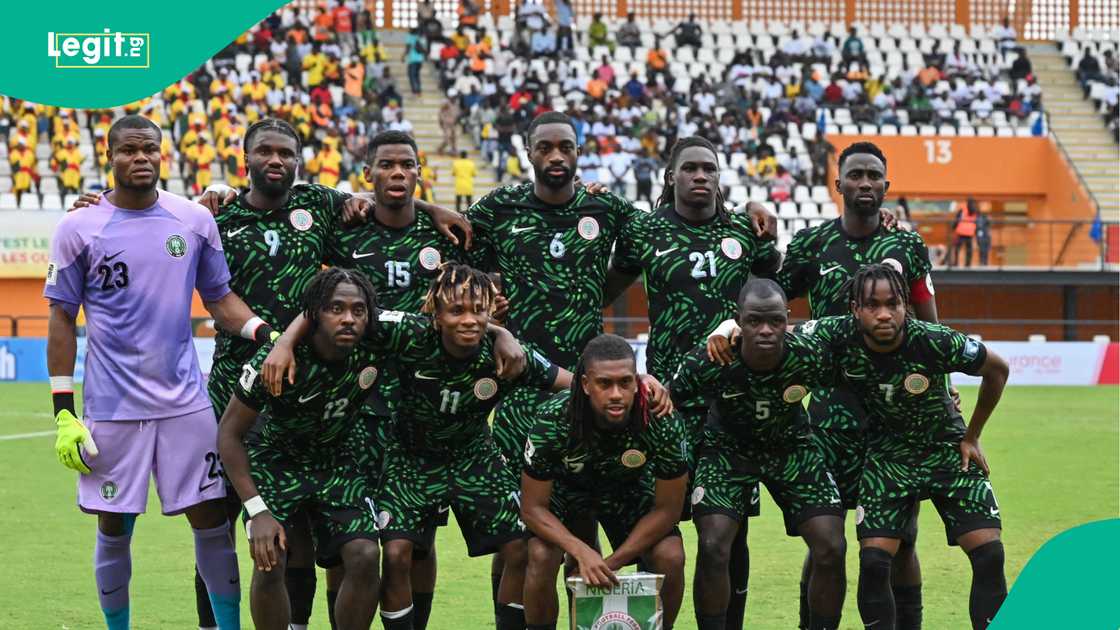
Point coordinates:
pixel 989 585
pixel 421 609
pixel 495 584
pixel 803 607
pixel 404 622
pixel 511 617
pixel 300 582
pixel 820 622
pixel 202 603
pixel 710 622
pixel 332 597
pixel 876 602
pixel 908 606
pixel 739 568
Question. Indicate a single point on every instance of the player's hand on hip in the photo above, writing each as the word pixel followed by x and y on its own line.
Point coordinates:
pixel 72 436
pixel 266 540
pixel 594 570
pixel 86 199
pixel 215 196
pixel 660 402
pixel 971 452
pixel 279 363
pixel 355 211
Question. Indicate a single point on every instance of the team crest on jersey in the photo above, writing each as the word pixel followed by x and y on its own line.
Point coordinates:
pixel 893 263
pixel 301 219
pixel 588 228
pixel 731 248
pixel 485 388
pixel 176 246
pixel 108 491
pixel 916 383
pixel 367 377
pixel 633 458
pixel 794 393
pixel 697 494
pixel 429 258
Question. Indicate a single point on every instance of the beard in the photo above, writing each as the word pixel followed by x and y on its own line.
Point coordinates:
pixel 553 181
pixel 270 188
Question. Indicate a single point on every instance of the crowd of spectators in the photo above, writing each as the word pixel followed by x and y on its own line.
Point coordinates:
pixel 1098 73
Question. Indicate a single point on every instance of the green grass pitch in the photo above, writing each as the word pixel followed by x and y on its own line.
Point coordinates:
pixel 1053 451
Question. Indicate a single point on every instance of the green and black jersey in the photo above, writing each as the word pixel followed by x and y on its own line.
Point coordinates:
pixel 273 255
pixel 312 419
pixel 820 260
pixel 760 409
pixel 608 459
pixel 553 262
pixel 692 274
pixel 818 263
pixel 400 262
pixel 905 392
pixel 444 400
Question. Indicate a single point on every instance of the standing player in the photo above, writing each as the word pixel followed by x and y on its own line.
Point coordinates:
pixel 133 261
pixel 918 445
pixel 302 460
pixel 694 257
pixel 599 450
pixel 819 262
pixel 759 431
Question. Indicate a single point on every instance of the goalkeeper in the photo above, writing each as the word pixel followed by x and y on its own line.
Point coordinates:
pixel 133 262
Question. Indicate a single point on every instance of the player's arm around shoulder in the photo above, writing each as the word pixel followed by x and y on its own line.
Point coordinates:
pixel 696 375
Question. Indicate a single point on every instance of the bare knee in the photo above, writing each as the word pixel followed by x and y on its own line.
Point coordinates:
pixel 398 556
pixel 543 557
pixel 515 553
pixel 667 556
pixel 206 515
pixel 361 557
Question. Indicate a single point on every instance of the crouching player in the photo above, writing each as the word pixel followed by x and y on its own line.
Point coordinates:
pixel 918 446
pixel 301 459
pixel 599 452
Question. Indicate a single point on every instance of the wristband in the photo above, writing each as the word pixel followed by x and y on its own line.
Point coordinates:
pixel 62 394
pixel 256 329
pixel 255 506
pixel 725 328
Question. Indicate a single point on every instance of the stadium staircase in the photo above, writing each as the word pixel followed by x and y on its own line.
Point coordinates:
pixel 1077 125
pixel 423 112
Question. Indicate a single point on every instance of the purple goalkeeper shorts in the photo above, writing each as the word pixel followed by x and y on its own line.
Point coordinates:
pixel 181 452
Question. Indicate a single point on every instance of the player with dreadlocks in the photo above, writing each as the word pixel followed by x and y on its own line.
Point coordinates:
pixel 918 446
pixel 302 460
pixel 818 263
pixel 693 256
pixel 598 449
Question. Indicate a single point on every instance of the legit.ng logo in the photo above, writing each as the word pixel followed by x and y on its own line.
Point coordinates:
pixel 108 49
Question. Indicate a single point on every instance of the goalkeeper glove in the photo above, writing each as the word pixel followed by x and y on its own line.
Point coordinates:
pixel 72 435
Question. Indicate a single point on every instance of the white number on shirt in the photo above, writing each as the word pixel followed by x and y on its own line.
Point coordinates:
pixel 698 267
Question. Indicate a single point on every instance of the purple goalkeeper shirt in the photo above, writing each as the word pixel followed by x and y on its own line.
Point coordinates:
pixel 134 272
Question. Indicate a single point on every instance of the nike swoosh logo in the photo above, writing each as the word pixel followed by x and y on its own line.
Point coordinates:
pixel 831 269
pixel 661 252
pixel 518 230
pixel 233 233
pixel 105 592
pixel 234 580
pixel 202 488
pixel 357 256
pixel 425 377
pixel 725 395
pixel 742 592
pixel 312 396
pixel 114 255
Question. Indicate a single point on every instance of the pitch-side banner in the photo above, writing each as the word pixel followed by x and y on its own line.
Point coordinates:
pixel 103 54
pixel 25 242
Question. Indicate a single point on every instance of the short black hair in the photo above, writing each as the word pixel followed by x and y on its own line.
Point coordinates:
pixel 861 147
pixel 133 121
pixel 391 136
pixel 318 293
pixel 273 124
pixel 760 288
pixel 605 347
pixel 550 118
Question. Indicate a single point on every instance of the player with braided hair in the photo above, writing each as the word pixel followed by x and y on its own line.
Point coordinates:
pixel 598 450
pixel 918 447
pixel 694 257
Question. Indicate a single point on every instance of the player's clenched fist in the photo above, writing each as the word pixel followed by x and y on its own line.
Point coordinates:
pixel 72 435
